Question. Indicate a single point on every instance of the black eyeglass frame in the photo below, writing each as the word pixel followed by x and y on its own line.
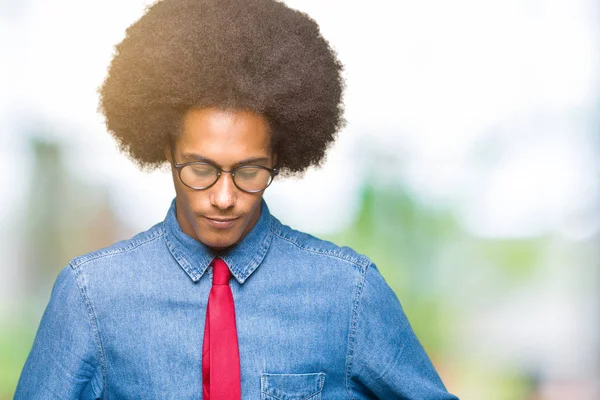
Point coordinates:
pixel 273 171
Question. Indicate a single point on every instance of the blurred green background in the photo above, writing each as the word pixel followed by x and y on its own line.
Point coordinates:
pixel 468 172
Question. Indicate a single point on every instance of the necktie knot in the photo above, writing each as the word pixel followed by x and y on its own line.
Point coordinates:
pixel 221 273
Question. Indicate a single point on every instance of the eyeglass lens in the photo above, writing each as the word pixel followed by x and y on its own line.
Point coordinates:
pixel 247 178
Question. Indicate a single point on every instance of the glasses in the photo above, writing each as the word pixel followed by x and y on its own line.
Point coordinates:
pixel 199 175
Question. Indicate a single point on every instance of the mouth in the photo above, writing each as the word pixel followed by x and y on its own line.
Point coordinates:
pixel 220 223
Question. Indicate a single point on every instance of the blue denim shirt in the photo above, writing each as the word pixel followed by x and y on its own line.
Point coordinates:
pixel 314 320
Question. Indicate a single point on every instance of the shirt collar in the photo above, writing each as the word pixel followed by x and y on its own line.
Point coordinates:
pixel 194 257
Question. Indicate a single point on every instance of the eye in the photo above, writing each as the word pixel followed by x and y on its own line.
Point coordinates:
pixel 202 169
pixel 249 173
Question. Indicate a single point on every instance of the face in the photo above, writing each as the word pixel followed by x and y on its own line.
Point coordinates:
pixel 221 215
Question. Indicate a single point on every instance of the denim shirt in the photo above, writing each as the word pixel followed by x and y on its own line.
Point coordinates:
pixel 314 321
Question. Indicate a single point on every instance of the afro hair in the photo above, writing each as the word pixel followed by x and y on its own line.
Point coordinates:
pixel 256 55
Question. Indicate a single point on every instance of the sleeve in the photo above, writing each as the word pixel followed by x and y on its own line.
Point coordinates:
pixel 64 361
pixel 385 357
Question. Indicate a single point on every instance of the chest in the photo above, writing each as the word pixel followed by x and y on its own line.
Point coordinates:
pixel 292 339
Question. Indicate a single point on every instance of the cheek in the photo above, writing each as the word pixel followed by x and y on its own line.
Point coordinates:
pixel 253 210
pixel 193 199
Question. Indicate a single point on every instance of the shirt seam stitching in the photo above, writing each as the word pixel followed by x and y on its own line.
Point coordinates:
pixel 79 262
pixel 94 321
pixel 320 376
pixel 182 261
pixel 310 396
pixel 258 257
pixel 320 252
pixel 351 334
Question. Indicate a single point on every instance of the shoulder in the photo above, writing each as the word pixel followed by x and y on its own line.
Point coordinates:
pixel 124 248
pixel 309 245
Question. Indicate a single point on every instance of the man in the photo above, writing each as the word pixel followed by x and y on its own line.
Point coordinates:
pixel 220 300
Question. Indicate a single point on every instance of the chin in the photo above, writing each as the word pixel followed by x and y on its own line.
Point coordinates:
pixel 218 243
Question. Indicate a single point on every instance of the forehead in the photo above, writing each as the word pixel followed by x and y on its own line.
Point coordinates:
pixel 213 132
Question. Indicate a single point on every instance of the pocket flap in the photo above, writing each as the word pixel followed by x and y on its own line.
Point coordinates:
pixel 292 386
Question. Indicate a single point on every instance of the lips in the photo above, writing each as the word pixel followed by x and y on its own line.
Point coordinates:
pixel 221 222
pixel 220 219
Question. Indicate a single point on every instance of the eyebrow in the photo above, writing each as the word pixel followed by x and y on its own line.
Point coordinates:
pixel 251 160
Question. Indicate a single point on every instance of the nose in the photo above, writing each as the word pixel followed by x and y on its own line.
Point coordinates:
pixel 222 194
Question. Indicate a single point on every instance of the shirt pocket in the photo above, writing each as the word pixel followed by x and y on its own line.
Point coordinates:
pixel 292 386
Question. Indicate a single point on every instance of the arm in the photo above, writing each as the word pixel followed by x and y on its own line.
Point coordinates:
pixel 64 361
pixel 385 358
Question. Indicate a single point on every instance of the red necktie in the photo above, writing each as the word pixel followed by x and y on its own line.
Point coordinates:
pixel 220 353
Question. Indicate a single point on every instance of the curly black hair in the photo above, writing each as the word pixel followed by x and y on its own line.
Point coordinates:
pixel 256 55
